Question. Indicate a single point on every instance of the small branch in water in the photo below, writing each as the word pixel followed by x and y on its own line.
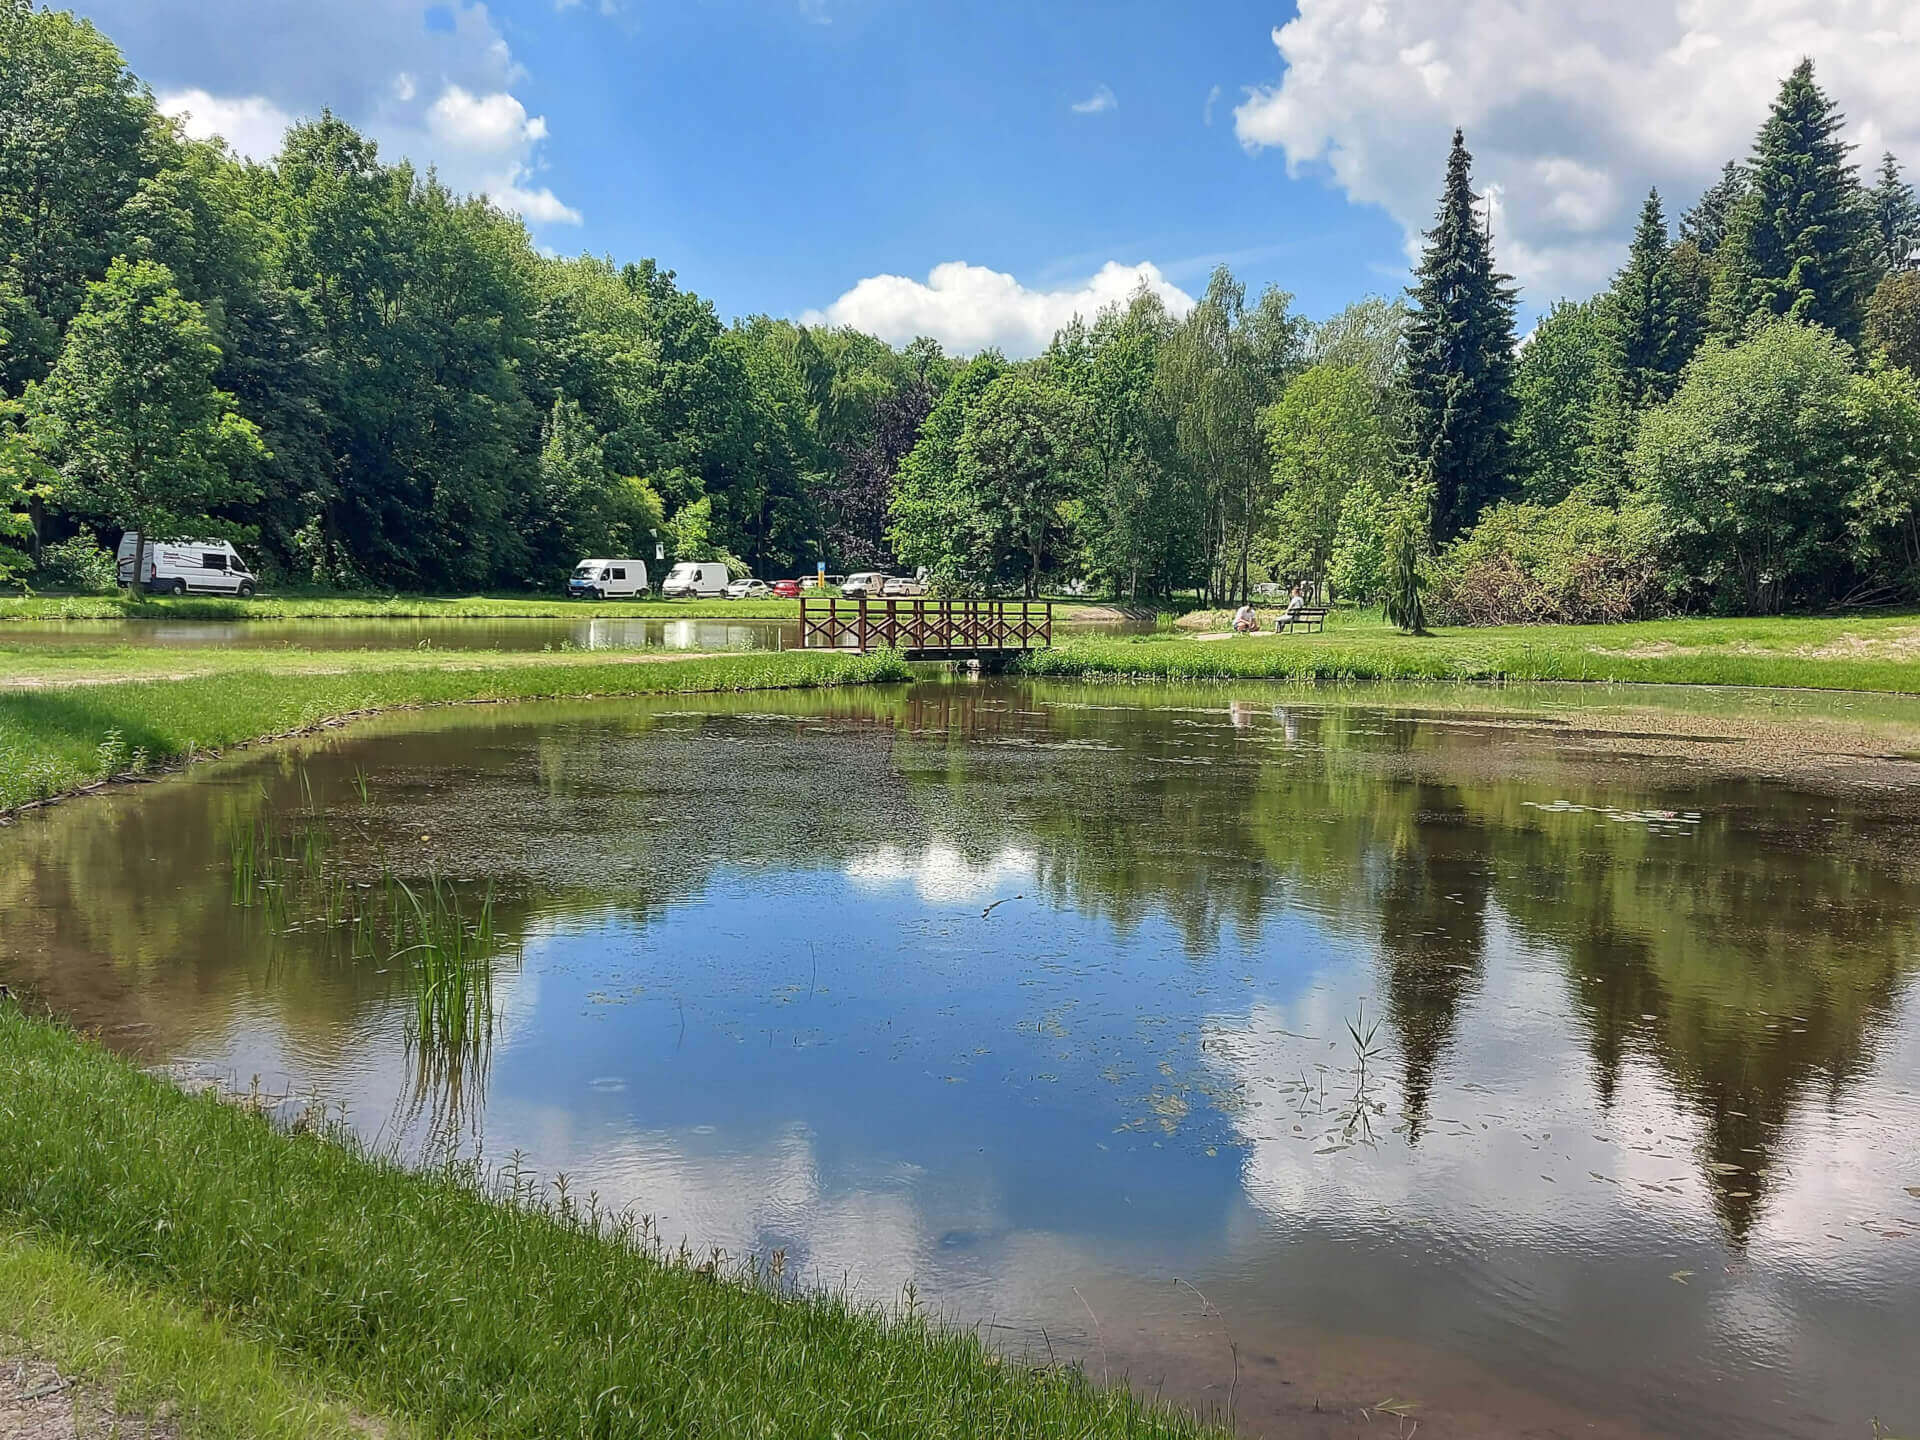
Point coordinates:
pixel 998 903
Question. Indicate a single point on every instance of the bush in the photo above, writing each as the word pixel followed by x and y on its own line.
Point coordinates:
pixel 79 564
pixel 1573 563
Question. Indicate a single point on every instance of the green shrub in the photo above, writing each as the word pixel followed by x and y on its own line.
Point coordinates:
pixel 1573 563
pixel 80 565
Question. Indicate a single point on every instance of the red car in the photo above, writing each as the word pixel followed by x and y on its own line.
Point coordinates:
pixel 787 589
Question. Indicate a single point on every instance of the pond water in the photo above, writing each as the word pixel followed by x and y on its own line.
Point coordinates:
pixel 618 632
pixel 603 633
pixel 1285 1053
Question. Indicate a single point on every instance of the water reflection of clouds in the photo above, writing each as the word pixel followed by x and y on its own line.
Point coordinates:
pixel 941 874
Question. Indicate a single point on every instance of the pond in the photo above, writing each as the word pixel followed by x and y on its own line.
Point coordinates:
pixel 654 631
pixel 1551 1067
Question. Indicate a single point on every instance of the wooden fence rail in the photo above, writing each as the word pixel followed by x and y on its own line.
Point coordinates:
pixel 930 627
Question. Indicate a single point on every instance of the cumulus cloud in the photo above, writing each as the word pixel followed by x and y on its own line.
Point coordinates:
pixel 969 307
pixel 439 94
pixel 1098 103
pixel 253 125
pixel 1571 107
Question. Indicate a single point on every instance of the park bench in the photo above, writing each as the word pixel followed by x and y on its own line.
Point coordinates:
pixel 1310 617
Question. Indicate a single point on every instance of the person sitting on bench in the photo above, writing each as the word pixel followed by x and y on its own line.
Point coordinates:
pixel 1295 604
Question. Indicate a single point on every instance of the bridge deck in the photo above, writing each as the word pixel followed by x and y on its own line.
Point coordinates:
pixel 931 628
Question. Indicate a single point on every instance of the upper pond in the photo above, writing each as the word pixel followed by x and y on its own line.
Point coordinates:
pixel 653 631
pixel 1553 1069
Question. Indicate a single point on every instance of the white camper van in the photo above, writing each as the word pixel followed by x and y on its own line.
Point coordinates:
pixel 607 580
pixel 173 567
pixel 701 578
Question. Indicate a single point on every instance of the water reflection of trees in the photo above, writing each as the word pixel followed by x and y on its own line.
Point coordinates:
pixel 1754 965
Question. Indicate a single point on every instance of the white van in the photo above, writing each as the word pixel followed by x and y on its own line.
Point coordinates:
pixel 866 583
pixel 173 567
pixel 607 580
pixel 701 578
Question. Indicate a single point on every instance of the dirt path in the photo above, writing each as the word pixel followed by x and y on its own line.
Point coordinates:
pixel 37 1402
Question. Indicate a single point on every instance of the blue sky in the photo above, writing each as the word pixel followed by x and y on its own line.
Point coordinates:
pixel 787 156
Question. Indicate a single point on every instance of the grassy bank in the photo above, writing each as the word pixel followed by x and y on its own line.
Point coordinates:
pixel 458 1312
pixel 1877 653
pixel 145 1354
pixel 56 739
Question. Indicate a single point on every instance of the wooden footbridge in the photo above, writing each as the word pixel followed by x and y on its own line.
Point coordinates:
pixel 927 629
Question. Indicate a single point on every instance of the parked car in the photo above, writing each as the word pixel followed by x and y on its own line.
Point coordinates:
pixel 173 567
pixel 607 580
pixel 867 582
pixel 748 588
pixel 900 587
pixel 704 578
pixel 787 589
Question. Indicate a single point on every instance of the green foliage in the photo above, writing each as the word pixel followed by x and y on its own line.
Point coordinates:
pixel 1358 568
pixel 78 137
pixel 1576 562
pixel 1557 386
pixel 130 417
pixel 1136 514
pixel 1406 542
pixel 1749 465
pixel 934 522
pixel 1328 434
pixel 1015 465
pixel 1799 243
pixel 80 565
pixel 1893 319
pixel 1460 359
pixel 23 477
pixel 1884 521
pixel 1896 218
pixel 1220 368
pixel 1705 225
pixel 1647 338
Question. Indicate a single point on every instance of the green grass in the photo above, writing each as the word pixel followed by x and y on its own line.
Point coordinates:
pixel 155 1354
pixel 461 1313
pixel 58 738
pixel 1873 652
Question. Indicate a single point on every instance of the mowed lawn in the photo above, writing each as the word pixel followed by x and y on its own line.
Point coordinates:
pixel 1878 652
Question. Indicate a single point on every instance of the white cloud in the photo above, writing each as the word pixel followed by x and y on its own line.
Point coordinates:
pixel 1098 103
pixel 1571 107
pixel 1206 112
pixel 253 125
pixel 969 307
pixel 440 95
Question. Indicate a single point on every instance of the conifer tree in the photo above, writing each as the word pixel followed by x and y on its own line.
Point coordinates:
pixel 1896 218
pixel 1460 359
pixel 1799 244
pixel 1705 225
pixel 1648 338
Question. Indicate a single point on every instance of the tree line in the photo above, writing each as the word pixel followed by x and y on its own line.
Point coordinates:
pixel 373 381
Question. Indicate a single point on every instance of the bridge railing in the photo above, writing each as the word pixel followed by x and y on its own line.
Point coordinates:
pixel 929 626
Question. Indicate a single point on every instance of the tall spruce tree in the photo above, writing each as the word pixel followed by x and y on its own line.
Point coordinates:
pixel 1800 243
pixel 1705 225
pixel 1896 218
pixel 1647 336
pixel 1460 359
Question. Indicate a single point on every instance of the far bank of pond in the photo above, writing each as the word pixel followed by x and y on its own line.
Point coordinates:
pixel 1542 1060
